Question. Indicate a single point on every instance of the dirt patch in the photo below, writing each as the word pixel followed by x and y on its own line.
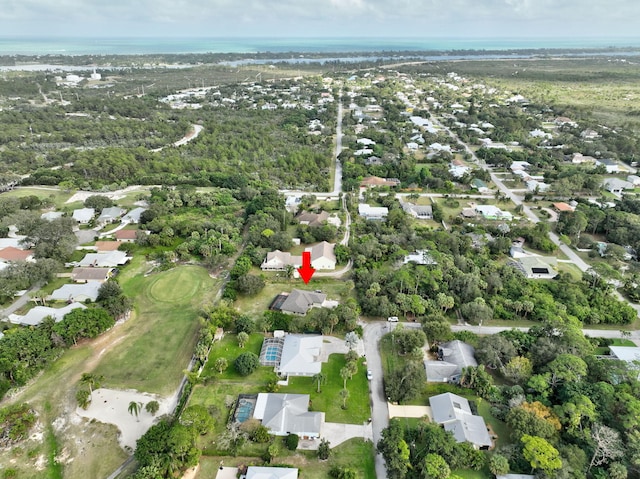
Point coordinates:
pixel 114 195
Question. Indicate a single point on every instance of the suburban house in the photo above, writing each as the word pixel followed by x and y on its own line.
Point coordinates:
pixel 85 275
pixel 563 207
pixel 537 186
pixel 491 212
pixel 127 236
pixel 110 259
pixel 51 215
pixel 105 246
pixel 421 212
pixel 279 260
pixel 284 414
pixel 322 258
pixel 452 357
pixel 481 186
pixel 312 219
pixel 616 185
pixel 610 165
pixel 454 414
pixel 628 354
pixel 83 215
pixel 133 216
pixel 36 315
pixel 292 354
pixel 12 254
pixel 589 134
pixel 420 256
pixel 579 158
pixel 537 267
pixel 373 181
pixel 76 292
pixel 256 472
pixel 299 302
pixel 372 212
pixel 110 214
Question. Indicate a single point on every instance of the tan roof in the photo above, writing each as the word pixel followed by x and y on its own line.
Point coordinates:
pixel 562 206
pixel 14 254
pixel 377 181
pixel 313 219
pixel 323 250
pixel 90 274
pixel 126 234
pixel 107 245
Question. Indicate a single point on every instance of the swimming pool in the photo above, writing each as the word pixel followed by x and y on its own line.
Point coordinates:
pixel 244 410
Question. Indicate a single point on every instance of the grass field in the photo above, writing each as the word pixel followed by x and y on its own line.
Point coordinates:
pixel 161 336
pixel 57 196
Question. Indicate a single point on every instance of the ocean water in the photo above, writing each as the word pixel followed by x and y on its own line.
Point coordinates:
pixel 130 46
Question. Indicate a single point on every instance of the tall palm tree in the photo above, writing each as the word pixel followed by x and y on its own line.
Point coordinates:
pixel 319 378
pixel 91 380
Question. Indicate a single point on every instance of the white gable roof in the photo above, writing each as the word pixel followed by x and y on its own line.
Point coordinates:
pixel 36 315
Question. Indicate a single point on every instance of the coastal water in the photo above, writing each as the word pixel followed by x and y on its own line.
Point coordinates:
pixel 131 46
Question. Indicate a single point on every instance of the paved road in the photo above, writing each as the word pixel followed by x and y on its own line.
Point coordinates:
pixel 20 302
pixel 337 180
pixel 379 411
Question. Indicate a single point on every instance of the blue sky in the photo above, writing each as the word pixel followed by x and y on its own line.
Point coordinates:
pixel 322 18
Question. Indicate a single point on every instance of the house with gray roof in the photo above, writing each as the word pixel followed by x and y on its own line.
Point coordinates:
pixel 85 275
pixel 616 185
pixel 421 212
pixel 452 357
pixel 36 315
pixel 51 215
pixel 454 414
pixel 300 301
pixel 284 414
pixel 255 472
pixel 76 292
pixel 537 267
pixel 83 215
pixel 110 214
pixel 133 216
pixel 312 219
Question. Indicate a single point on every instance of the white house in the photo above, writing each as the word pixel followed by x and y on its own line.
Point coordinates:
pixel 36 315
pixel 256 472
pixel 322 256
pixel 278 260
pixel 454 414
pixel 133 216
pixel 110 214
pixel 372 212
pixel 110 259
pixel 51 215
pixel 491 212
pixel 77 292
pixel 616 185
pixel 284 414
pixel 611 166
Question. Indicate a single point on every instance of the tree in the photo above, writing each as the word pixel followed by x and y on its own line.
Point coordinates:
pixel 242 339
pixel 152 407
pixel 518 370
pixel 91 380
pixel 498 465
pixel 221 364
pixel 198 418
pixel 404 384
pixel 566 368
pixel 437 331
pixel 247 363
pixel 319 379
pixel 134 409
pixel 83 397
pixel 394 450
pixel 351 340
pixel 607 445
pixel 344 374
pixel 344 394
pixel 540 454
pixel 495 351
pixel 435 467
pixel 292 441
pixel 249 284
pixel 445 302
pixel 324 449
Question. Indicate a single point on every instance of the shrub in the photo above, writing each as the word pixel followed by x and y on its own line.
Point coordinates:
pixel 261 435
pixel 324 449
pixel 247 363
pixel 292 442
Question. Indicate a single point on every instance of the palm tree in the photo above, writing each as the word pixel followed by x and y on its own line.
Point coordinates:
pixel 344 394
pixel 320 378
pixel 242 338
pixel 91 380
pixel 134 409
pixel 152 407
pixel 344 374
pixel 351 339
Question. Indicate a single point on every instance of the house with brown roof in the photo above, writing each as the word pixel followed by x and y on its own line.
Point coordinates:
pixel 373 181
pixel 84 275
pixel 562 206
pixel 13 254
pixel 127 236
pixel 104 246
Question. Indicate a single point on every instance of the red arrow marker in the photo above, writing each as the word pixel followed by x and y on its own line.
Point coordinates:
pixel 306 271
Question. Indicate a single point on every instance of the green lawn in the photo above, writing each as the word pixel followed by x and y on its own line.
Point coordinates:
pixel 228 348
pixel 328 400
pixel 469 474
pixel 57 196
pixel 162 333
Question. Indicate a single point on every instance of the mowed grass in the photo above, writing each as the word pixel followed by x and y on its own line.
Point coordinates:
pixel 57 196
pixel 162 332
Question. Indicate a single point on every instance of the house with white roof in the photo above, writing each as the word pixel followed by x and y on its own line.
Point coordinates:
pixel 109 259
pixel 256 472
pixel 372 212
pixel 421 257
pixel 36 315
pixel 83 215
pixel 300 355
pixel 284 414
pixel 616 185
pixel 491 212
pixel 110 214
pixel 51 215
pixel 365 141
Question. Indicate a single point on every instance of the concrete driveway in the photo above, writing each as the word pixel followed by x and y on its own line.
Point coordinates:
pixel 337 433
pixel 331 345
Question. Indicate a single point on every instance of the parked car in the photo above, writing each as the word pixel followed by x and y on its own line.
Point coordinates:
pixel 392 319
pixel 369 374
